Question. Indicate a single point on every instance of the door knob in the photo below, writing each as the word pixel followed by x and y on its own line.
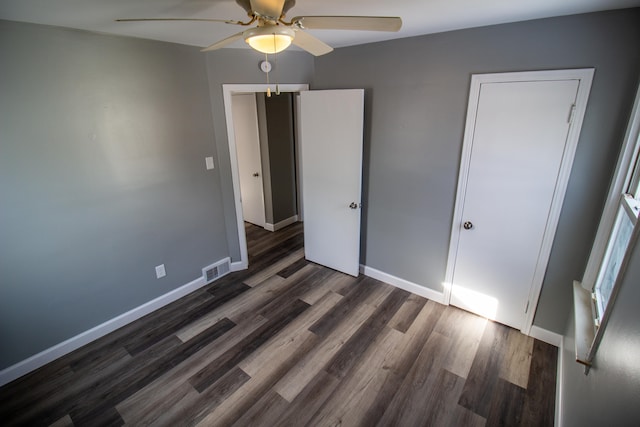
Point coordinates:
pixel 353 205
pixel 468 225
pixel 256 174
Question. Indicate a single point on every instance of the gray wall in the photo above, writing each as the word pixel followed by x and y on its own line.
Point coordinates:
pixel 102 177
pixel 241 66
pixel 416 93
pixel 279 114
pixel 610 394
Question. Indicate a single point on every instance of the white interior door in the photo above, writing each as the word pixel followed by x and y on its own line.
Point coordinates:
pixel 518 142
pixel 245 124
pixel 331 151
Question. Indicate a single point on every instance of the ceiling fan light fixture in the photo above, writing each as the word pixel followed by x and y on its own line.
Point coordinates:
pixel 269 39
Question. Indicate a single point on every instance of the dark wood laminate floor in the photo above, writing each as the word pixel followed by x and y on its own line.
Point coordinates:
pixel 291 343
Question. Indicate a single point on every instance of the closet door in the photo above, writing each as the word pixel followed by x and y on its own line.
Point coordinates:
pixel 508 188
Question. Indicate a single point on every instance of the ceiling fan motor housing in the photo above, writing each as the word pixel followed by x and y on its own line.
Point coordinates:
pixel 246 5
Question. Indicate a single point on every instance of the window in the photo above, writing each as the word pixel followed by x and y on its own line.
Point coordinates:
pixel 626 220
pixel 617 233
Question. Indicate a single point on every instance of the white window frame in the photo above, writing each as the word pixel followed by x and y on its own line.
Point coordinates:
pixel 627 211
pixel 618 204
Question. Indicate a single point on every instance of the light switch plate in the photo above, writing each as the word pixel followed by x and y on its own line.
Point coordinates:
pixel 160 271
pixel 209 162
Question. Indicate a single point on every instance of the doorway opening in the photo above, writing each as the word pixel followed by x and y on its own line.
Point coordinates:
pixel 229 91
pixel 261 243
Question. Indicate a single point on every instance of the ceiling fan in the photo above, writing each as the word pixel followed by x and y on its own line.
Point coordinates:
pixel 273 34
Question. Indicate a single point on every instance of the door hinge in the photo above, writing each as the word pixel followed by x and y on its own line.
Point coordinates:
pixel 572 110
pixel 526 309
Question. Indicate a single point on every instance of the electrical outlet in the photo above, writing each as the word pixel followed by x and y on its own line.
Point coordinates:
pixel 160 271
pixel 209 162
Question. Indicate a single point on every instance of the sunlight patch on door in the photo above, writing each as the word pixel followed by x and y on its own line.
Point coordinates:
pixel 473 301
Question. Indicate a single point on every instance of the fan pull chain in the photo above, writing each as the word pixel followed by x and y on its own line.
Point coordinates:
pixel 266 58
pixel 275 64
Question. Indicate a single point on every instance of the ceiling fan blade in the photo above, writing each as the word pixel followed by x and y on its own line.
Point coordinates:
pixel 288 4
pixel 268 8
pixel 366 23
pixel 311 44
pixel 226 21
pixel 223 42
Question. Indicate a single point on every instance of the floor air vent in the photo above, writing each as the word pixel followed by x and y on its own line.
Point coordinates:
pixel 215 271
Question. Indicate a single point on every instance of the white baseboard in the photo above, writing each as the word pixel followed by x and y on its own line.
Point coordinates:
pixel 559 389
pixel 282 224
pixel 403 284
pixel 546 336
pixel 238 266
pixel 49 355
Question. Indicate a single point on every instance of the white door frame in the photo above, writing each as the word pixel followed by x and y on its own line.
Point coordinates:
pixel 585 77
pixel 227 91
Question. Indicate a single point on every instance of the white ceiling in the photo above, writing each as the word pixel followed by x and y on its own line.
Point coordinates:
pixel 419 16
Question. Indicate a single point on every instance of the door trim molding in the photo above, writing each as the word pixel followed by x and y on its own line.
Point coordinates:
pixel 228 90
pixel 585 77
